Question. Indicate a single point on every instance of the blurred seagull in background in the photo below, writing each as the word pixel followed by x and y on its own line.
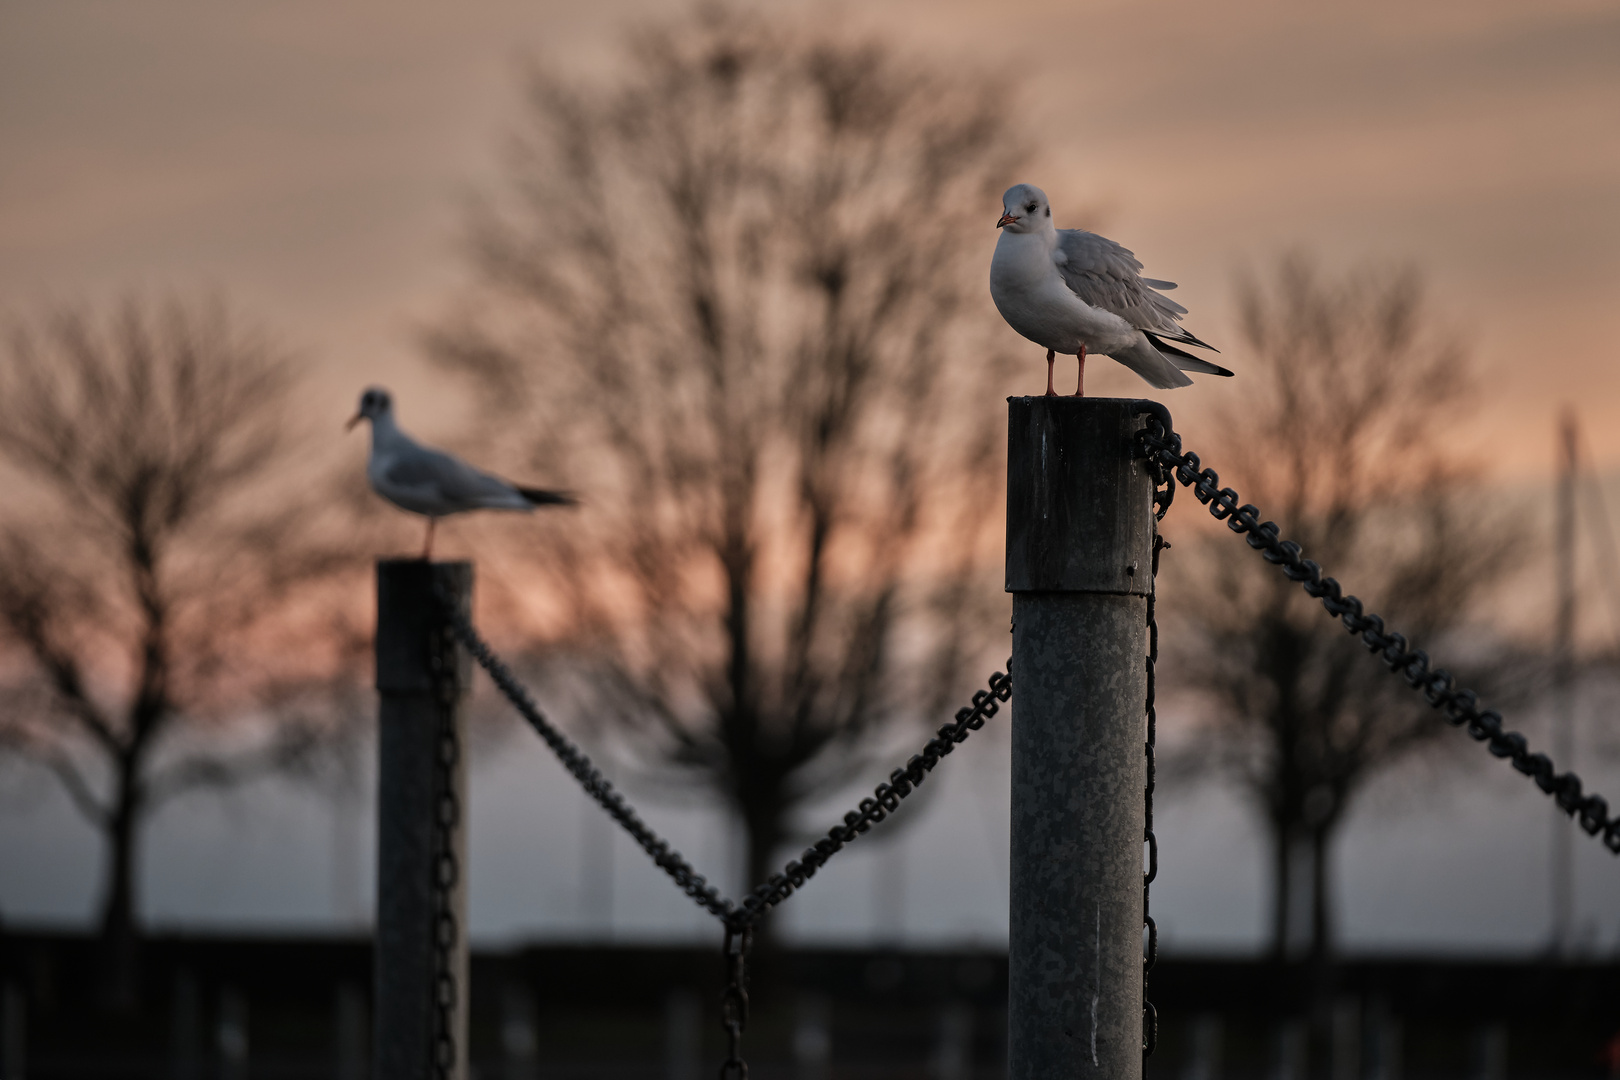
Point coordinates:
pixel 1076 292
pixel 427 481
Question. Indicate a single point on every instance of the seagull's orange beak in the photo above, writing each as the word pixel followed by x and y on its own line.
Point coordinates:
pixel 353 420
pixel 1006 219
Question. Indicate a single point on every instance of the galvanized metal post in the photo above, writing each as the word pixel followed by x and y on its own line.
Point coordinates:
pixel 1079 566
pixel 421 943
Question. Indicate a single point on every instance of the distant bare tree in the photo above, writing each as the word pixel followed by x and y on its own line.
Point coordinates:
pixel 148 561
pixel 739 296
pixel 1345 439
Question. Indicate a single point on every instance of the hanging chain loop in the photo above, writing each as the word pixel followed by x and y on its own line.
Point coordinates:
pixel 1159 443
pixel 885 798
pixel 738 919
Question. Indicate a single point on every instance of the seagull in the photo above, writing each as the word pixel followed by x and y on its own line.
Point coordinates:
pixel 1076 292
pixel 431 482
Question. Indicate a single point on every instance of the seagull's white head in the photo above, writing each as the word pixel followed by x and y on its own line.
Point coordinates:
pixel 1024 209
pixel 374 403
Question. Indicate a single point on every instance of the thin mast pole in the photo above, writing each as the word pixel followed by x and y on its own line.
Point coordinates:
pixel 1563 868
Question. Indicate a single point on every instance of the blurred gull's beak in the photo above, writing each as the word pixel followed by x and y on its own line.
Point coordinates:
pixel 1006 219
pixel 353 420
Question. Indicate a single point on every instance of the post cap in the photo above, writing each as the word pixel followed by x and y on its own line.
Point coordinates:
pixel 1079 501
pixel 409 614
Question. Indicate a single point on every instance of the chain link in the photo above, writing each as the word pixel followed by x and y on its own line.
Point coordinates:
pixel 1159 443
pixel 734 1002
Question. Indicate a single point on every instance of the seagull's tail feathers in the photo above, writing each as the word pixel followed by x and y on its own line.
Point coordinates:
pixel 1184 360
pixel 542 497
pixel 1158 369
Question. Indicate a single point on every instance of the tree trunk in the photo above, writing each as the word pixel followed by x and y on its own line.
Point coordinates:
pixel 764 828
pixel 1321 916
pixel 1281 879
pixel 1322 974
pixel 120 939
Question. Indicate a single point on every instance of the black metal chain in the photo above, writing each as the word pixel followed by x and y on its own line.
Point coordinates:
pixel 597 786
pixel 446 865
pixel 885 800
pixel 1163 492
pixel 1150 1015
pixel 734 1002
pixel 739 920
pixel 1160 444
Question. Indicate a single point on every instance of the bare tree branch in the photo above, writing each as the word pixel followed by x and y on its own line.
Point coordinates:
pixel 154 548
pixel 739 295
pixel 77 787
pixel 290 748
pixel 1341 441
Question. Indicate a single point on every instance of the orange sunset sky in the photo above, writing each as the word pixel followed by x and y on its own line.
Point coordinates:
pixel 312 162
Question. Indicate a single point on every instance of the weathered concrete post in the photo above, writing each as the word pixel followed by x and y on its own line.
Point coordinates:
pixel 421 943
pixel 1079 551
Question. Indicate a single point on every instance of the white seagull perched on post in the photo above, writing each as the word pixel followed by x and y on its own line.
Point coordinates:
pixel 431 482
pixel 1076 293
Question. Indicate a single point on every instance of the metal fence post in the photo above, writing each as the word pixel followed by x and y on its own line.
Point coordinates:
pixel 421 943
pixel 1079 566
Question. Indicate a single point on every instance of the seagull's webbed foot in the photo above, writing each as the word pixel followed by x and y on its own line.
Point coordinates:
pixel 1051 355
pixel 1080 385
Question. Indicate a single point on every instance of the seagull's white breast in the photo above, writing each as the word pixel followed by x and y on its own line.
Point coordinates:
pixel 1032 296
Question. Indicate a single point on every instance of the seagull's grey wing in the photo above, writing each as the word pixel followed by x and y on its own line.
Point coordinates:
pixel 1107 276
pixel 451 481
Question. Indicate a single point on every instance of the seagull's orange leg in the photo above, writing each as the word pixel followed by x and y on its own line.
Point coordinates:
pixel 427 547
pixel 1080 386
pixel 1051 355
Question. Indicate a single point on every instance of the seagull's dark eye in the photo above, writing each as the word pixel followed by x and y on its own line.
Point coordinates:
pixel 1048 211
pixel 1032 207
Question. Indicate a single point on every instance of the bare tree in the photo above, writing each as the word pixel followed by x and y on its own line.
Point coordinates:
pixel 740 296
pixel 1346 439
pixel 148 557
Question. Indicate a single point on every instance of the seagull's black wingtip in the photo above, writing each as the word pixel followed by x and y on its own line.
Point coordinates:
pixel 542 497
pixel 1183 337
pixel 1194 339
pixel 1187 361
